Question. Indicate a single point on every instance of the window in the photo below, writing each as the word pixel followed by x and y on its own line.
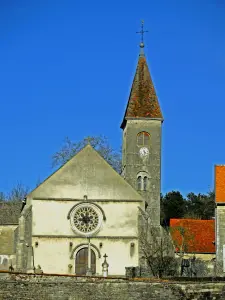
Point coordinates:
pixel 86 218
pixel 145 183
pixel 139 181
pixel 143 138
pixel 142 181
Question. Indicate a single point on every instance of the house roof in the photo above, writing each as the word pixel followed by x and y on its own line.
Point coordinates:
pixel 220 184
pixel 143 101
pixel 10 212
pixel 198 236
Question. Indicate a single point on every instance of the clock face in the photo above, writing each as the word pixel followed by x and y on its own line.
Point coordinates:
pixel 144 152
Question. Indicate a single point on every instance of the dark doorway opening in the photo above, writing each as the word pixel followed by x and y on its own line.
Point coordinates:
pixel 81 262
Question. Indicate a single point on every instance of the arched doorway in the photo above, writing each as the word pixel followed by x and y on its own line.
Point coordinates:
pixel 81 262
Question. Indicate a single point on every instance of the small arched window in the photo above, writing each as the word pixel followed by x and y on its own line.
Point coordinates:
pixel 143 138
pixel 145 187
pixel 142 181
pixel 139 180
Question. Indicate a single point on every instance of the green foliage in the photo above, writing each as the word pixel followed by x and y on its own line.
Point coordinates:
pixel 99 143
pixel 200 206
pixel 173 206
pixel 194 206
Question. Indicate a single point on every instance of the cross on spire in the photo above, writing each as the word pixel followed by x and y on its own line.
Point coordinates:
pixel 142 34
pixel 105 255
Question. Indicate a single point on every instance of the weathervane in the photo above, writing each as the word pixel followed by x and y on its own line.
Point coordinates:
pixel 142 34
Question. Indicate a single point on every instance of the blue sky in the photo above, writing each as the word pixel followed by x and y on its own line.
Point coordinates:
pixel 66 69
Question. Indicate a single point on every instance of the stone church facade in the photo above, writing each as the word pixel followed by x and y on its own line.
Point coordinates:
pixel 86 209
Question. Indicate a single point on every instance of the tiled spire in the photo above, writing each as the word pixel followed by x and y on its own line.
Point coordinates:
pixel 143 102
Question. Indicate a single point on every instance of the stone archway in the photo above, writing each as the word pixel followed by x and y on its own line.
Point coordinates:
pixel 81 262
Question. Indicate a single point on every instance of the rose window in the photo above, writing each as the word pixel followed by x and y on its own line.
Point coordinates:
pixel 86 219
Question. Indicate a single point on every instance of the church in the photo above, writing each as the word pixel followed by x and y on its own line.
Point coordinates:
pixel 86 213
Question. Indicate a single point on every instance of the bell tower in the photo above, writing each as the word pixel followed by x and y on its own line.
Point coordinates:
pixel 141 125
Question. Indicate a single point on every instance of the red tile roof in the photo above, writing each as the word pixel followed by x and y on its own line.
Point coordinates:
pixel 196 236
pixel 143 101
pixel 220 184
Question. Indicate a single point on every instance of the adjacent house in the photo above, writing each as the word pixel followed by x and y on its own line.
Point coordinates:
pixel 193 237
pixel 9 214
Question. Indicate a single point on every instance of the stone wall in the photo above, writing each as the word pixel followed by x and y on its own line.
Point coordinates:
pixel 27 287
pixel 220 231
pixel 7 246
pixel 7 239
pixel 24 247
pixel 151 164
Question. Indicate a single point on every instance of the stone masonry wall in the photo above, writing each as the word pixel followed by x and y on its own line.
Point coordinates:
pixel 23 253
pixel 220 219
pixel 151 164
pixel 45 287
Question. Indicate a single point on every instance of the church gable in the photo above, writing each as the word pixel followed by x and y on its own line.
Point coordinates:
pixel 87 173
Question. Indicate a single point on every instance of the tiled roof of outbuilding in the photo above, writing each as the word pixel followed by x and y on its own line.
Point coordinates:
pixel 198 235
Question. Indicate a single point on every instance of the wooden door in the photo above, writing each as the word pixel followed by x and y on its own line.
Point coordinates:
pixel 81 262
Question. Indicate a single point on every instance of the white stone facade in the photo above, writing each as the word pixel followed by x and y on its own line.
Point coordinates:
pixel 86 180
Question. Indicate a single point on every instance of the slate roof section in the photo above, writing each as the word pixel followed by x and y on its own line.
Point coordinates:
pixel 10 212
pixel 199 235
pixel 220 184
pixel 143 101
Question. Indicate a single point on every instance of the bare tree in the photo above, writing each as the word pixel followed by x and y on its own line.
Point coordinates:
pixel 18 193
pixel 2 197
pixel 182 239
pixel 99 143
pixel 157 248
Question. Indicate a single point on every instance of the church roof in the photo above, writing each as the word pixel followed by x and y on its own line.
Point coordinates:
pixel 10 212
pixel 197 236
pixel 143 101
pixel 86 173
